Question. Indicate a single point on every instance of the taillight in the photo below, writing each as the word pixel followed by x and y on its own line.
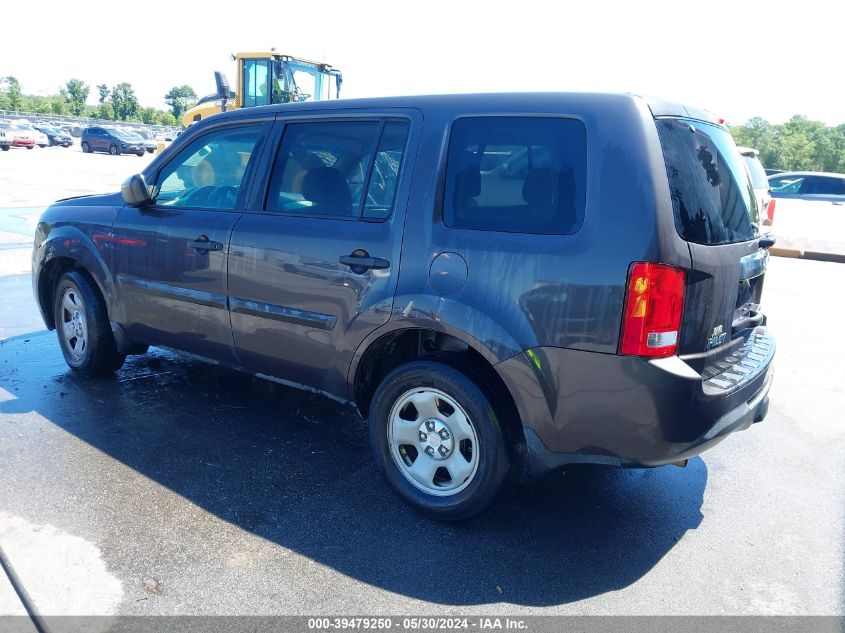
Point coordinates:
pixel 654 302
pixel 770 210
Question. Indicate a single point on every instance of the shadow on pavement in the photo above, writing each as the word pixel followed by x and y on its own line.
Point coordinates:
pixel 296 469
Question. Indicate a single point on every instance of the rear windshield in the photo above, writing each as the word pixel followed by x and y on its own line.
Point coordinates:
pixel 758 175
pixel 711 190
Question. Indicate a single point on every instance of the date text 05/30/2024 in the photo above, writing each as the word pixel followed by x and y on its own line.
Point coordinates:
pixel 417 624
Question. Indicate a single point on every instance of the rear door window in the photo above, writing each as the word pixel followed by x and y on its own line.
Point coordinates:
pixel 344 169
pixel 712 195
pixel 516 174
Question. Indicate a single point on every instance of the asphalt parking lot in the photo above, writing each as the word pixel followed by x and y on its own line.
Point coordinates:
pixel 181 488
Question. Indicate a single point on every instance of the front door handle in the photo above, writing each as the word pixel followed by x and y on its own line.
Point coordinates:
pixel 360 261
pixel 202 243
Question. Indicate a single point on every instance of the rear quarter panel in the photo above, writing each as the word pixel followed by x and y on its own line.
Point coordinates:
pixel 524 291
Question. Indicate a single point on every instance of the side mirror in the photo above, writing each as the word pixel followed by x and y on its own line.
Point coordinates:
pixel 135 191
pixel 222 84
pixel 222 90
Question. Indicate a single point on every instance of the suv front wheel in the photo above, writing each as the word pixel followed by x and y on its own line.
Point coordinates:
pixel 438 440
pixel 83 328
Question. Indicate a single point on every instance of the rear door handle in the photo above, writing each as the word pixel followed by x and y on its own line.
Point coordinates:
pixel 205 244
pixel 364 262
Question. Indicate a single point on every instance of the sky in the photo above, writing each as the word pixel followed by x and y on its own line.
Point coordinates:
pixel 738 59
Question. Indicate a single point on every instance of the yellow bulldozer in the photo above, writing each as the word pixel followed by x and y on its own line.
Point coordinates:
pixel 265 78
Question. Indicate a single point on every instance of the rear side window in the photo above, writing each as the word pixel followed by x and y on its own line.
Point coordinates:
pixel 516 174
pixel 712 195
pixel 824 185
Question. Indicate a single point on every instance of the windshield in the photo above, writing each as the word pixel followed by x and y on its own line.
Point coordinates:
pixel 301 81
pixel 711 189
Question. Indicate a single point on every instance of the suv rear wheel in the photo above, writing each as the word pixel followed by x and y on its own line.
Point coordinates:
pixel 83 327
pixel 86 148
pixel 438 440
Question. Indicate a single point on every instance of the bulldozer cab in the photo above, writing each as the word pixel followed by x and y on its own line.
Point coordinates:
pixel 267 79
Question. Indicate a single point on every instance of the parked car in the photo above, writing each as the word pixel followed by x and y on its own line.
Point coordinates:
pixel 113 141
pixel 56 136
pixel 149 139
pixel 570 278
pixel 20 138
pixel 808 185
pixel 5 141
pixel 25 126
pixel 760 183
pixel 811 206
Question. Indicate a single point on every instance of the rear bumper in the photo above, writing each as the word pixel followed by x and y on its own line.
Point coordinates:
pixel 585 407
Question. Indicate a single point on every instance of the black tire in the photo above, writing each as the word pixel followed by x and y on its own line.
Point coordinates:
pixel 6 148
pixel 114 150
pixel 494 453
pixel 86 148
pixel 31 147
pixel 97 355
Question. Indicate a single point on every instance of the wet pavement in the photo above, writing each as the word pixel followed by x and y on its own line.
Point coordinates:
pixel 180 488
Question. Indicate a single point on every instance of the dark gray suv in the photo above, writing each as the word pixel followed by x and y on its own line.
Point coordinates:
pixel 501 284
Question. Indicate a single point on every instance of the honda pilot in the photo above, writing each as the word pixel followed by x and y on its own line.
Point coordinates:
pixel 500 284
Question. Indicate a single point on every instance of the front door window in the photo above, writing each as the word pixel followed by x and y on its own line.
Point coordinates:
pixel 208 173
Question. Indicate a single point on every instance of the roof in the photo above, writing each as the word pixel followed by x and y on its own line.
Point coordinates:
pixel 787 174
pixel 504 101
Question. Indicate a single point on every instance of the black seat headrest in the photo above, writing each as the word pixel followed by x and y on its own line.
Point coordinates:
pixel 328 189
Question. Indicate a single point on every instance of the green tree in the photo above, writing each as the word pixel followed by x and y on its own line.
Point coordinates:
pixel 149 115
pixel 77 94
pixel 166 118
pixel 104 92
pixel 105 111
pixel 762 136
pixel 180 98
pixel 124 102
pixel 58 105
pixel 14 96
pixel 798 143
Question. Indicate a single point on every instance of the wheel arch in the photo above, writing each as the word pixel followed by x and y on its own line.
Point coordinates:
pixel 69 249
pixel 383 352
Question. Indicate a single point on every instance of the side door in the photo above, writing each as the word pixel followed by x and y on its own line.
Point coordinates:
pixel 169 258
pixel 313 268
pixel 95 139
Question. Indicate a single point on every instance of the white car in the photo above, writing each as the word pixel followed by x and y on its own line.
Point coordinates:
pixel 810 207
pixel 760 183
